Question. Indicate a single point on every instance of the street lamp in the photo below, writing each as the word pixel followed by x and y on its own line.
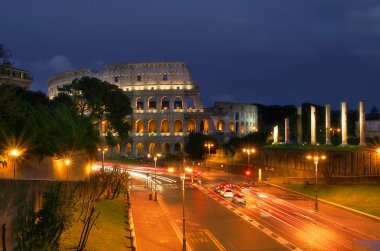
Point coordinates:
pixel 15 153
pixel 209 145
pixel 249 151
pixel 183 178
pixel 67 163
pixel 155 174
pixel 103 151
pixel 316 158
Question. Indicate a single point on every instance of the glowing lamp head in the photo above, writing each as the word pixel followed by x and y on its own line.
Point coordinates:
pixel 15 153
pixel 171 170
pixel 67 162
pixel 378 150
pixel 323 157
pixel 308 157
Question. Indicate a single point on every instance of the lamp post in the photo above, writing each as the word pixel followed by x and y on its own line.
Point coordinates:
pixel 316 158
pixel 15 153
pixel 67 163
pixel 249 151
pixel 155 174
pixel 183 178
pixel 103 150
pixel 209 145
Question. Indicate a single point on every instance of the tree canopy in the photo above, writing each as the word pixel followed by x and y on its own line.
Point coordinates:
pixel 29 120
pixel 97 100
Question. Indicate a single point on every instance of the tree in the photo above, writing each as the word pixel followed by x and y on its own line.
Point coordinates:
pixel 43 127
pixel 97 100
pixel 195 144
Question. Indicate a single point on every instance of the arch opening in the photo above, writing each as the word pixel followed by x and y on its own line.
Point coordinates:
pixel 204 126
pixel 165 103
pixel 139 104
pixel 220 126
pixel 178 126
pixel 165 126
pixel 152 126
pixel 139 127
pixel 165 149
pixel 152 103
pixel 190 103
pixel 140 149
pixel 178 103
pixel 191 125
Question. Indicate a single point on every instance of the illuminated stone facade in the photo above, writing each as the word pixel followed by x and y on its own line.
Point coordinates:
pixel 166 106
pixel 14 76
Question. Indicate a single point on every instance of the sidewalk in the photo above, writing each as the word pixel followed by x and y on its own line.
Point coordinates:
pixel 152 226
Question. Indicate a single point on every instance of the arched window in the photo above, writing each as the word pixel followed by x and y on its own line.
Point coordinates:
pixel 140 149
pixel 152 149
pixel 139 127
pixel 139 104
pixel 128 149
pixel 165 149
pixel 190 103
pixel 165 103
pixel 232 127
pixel 178 147
pixel 152 104
pixel 220 126
pixel 165 126
pixel 191 125
pixel 242 130
pixel 178 103
pixel 204 126
pixel 237 127
pixel 152 127
pixel 178 126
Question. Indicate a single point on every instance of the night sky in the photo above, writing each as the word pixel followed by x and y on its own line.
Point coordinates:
pixel 270 52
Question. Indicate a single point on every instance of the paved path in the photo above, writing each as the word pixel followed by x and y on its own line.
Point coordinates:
pixel 148 215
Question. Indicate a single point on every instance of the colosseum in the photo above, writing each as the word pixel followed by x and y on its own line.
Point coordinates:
pixel 166 106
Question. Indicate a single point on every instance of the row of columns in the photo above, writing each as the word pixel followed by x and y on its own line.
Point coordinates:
pixel 313 138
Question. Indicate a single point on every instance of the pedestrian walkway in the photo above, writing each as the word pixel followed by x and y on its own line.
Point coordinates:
pixel 152 226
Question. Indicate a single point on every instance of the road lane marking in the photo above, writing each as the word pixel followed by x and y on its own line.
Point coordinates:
pixel 253 222
pixel 214 240
pixel 172 223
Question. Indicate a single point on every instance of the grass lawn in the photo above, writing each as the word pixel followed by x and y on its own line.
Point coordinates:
pixel 109 231
pixel 365 198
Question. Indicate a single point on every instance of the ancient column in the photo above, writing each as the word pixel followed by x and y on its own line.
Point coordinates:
pixel 313 126
pixel 328 125
pixel 299 125
pixel 362 123
pixel 344 123
pixel 287 138
pixel 275 135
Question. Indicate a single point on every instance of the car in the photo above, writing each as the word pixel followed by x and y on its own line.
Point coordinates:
pixel 219 189
pixel 238 198
pixel 228 193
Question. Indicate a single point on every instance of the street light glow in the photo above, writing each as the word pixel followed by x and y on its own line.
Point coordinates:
pixel 15 153
pixel 67 162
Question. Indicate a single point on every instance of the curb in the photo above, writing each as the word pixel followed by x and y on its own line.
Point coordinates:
pixel 131 224
pixel 327 202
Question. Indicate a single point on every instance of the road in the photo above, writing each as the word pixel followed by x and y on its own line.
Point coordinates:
pixel 271 219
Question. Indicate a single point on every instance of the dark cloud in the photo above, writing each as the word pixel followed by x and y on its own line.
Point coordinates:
pixel 271 51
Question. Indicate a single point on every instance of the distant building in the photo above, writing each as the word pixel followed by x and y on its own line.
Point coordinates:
pixel 372 128
pixel 166 106
pixel 14 76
